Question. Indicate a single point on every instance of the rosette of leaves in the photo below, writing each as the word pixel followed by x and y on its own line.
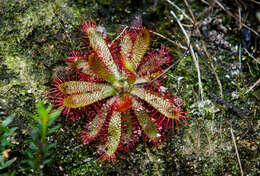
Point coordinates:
pixel 112 83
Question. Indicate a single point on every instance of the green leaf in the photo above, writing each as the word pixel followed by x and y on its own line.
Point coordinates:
pixel 38 119
pixel 8 120
pixel 101 49
pixel 48 110
pixel 29 153
pixel 12 173
pixel 53 116
pixel 6 164
pixel 41 109
pixel 50 146
pixel 50 131
pixel 77 87
pixel 141 45
pixel 158 101
pixel 83 66
pixel 98 67
pixel 145 122
pixel 113 135
pixel 33 146
pixel 46 161
pixel 84 99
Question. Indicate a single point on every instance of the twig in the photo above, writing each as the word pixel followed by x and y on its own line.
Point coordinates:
pixel 234 16
pixel 251 87
pixel 205 2
pixel 232 107
pixel 255 2
pixel 195 60
pixel 190 11
pixel 120 34
pixel 235 145
pixel 240 57
pixel 229 13
pixel 182 11
pixel 250 55
pixel 218 80
pixel 204 47
pixel 239 18
pixel 175 43
pixel 213 69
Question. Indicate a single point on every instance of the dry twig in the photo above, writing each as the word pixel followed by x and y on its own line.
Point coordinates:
pixel 204 47
pixel 255 2
pixel 235 145
pixel 234 108
pixel 195 59
pixel 252 87
pixel 120 34
pixel 250 55
pixel 182 11
pixel 234 16
pixel 174 42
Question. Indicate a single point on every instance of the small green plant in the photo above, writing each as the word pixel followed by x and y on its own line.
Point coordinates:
pixel 5 146
pixel 39 152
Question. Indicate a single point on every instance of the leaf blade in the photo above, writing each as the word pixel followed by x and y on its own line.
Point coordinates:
pixel 164 105
pixel 145 122
pixel 113 136
pixel 140 47
pixel 84 99
pixel 98 67
pixel 77 87
pixel 101 49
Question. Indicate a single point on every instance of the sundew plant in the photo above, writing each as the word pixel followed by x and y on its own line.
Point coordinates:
pixel 114 85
